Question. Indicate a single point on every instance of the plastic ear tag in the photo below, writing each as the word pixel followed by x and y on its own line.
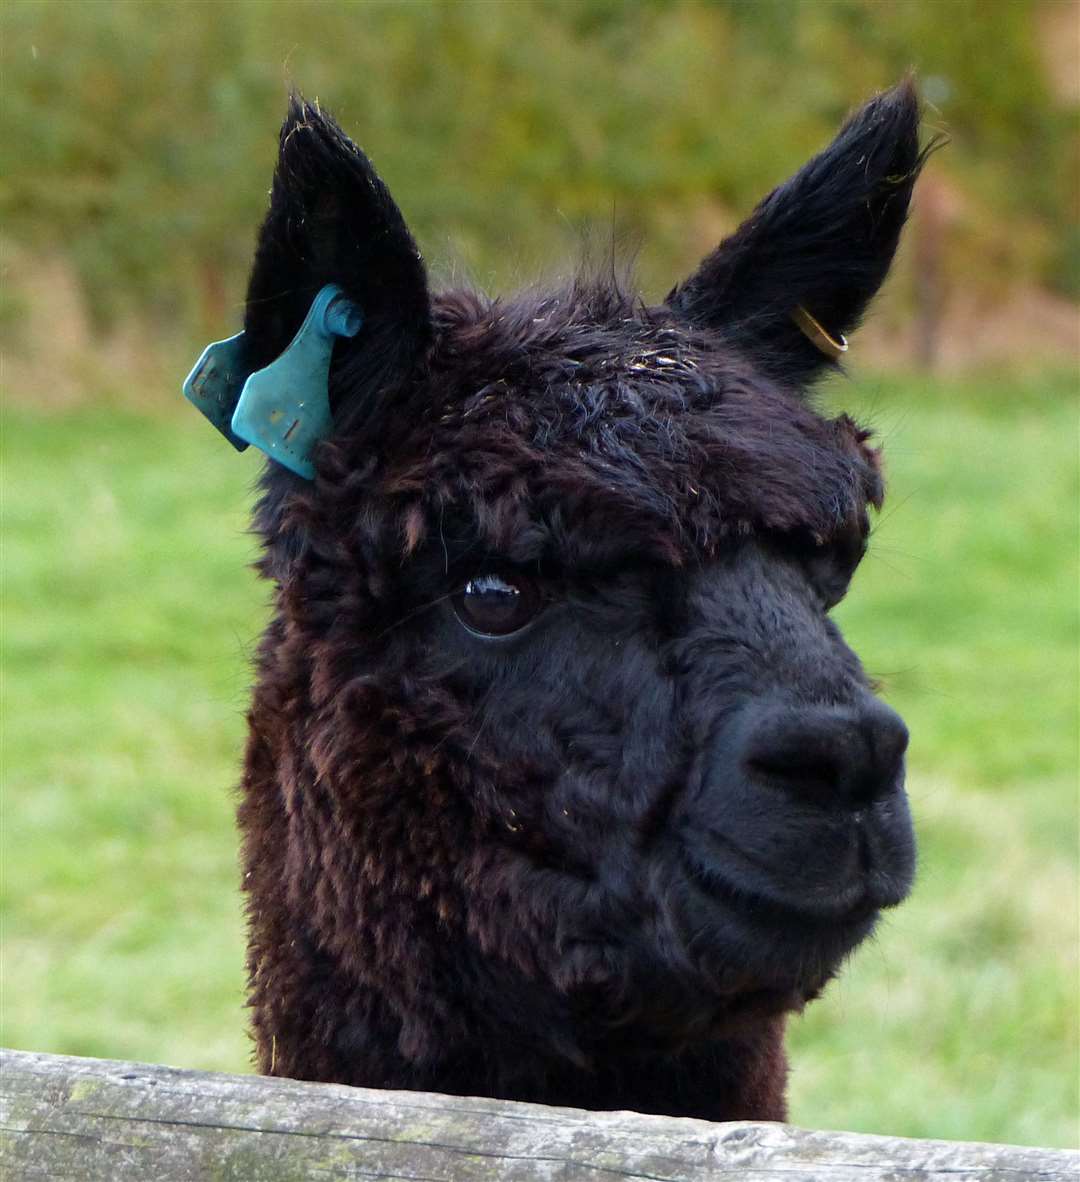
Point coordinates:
pixel 283 409
pixel 215 383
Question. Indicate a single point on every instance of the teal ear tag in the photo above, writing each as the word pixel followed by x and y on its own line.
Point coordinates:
pixel 215 383
pixel 283 409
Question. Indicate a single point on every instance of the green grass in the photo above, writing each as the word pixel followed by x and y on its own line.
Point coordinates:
pixel 129 619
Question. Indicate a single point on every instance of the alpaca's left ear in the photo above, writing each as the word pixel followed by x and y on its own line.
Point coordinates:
pixel 799 272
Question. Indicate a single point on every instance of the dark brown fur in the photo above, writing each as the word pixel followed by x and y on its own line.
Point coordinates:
pixel 462 858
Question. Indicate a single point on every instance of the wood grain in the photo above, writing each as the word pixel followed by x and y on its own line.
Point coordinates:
pixel 95 1119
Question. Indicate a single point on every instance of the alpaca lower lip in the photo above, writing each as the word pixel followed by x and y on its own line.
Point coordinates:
pixel 851 900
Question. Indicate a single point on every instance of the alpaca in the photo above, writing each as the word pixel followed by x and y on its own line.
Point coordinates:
pixel 561 785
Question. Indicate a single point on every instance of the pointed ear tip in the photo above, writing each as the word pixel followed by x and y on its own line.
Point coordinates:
pixel 296 115
pixel 905 92
pixel 297 106
pixel 903 98
pixel 889 121
pixel 308 133
pixel 898 107
pixel 302 112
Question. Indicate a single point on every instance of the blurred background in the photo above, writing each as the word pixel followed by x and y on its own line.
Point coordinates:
pixel 136 152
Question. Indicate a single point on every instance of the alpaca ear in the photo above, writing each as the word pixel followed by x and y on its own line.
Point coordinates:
pixel 797 275
pixel 332 220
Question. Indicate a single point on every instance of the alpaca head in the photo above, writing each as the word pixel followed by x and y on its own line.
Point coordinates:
pixel 561 734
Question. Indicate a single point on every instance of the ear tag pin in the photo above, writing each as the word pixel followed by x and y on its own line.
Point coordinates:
pixel 833 347
pixel 284 408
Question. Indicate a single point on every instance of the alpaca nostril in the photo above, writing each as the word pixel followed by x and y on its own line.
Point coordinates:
pixel 845 756
pixel 811 776
pixel 806 772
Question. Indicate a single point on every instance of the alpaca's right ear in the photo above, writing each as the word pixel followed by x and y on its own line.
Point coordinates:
pixel 332 220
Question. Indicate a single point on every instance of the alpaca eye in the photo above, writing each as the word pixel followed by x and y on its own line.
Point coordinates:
pixel 497 605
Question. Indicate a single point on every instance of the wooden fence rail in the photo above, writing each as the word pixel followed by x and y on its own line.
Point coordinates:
pixel 95 1119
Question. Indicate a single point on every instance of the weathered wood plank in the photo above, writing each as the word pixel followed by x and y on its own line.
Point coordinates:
pixel 95 1119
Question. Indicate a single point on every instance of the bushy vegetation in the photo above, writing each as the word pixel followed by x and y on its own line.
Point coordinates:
pixel 139 137
pixel 129 620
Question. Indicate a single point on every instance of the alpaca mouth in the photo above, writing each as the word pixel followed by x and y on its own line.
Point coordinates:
pixel 764 953
pixel 833 868
pixel 849 904
pixel 720 868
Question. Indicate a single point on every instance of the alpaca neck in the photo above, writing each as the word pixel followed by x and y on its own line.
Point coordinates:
pixel 739 1078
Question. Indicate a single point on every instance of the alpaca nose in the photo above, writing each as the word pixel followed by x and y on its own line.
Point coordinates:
pixel 839 756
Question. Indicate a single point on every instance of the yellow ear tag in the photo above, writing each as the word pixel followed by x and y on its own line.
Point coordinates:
pixel 820 338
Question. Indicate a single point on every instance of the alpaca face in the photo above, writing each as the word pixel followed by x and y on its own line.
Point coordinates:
pixel 696 800
pixel 558 719
pixel 684 798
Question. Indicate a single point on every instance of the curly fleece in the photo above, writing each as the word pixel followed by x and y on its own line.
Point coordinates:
pixel 443 842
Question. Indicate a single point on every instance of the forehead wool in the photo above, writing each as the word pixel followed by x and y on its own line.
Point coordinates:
pixel 587 406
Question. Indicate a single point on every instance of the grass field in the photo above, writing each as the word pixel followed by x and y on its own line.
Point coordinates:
pixel 129 617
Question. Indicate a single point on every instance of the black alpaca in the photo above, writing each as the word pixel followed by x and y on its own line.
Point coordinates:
pixel 561 784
